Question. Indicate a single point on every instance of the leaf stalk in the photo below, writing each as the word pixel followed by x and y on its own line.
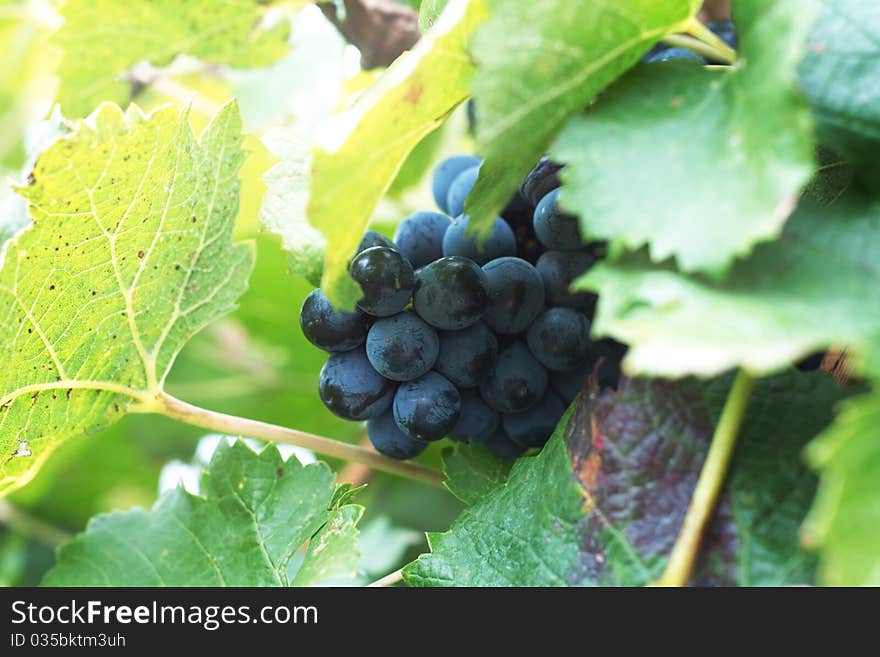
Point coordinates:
pixel 231 424
pixel 699 47
pixel 712 477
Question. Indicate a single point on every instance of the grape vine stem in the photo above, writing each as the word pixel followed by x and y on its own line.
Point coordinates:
pixel 705 498
pixel 389 580
pixel 699 47
pixel 231 424
pixel 28 525
pixel 707 36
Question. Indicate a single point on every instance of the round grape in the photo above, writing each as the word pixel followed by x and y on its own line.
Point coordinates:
pixel 329 329
pixel 389 440
pixel 427 408
pixel 558 269
pixel 352 389
pixel 499 445
pixel 611 354
pixel 451 293
pixel 569 384
pixel 466 356
pixel 446 172
pixel 373 238
pixel 541 180
pixel 500 242
pixel 516 295
pixel 419 237
pixel 459 189
pixel 554 229
pixel 534 427
pixel 518 211
pixel 516 383
pixel 560 339
pixel 386 279
pixel 402 347
pixel 477 420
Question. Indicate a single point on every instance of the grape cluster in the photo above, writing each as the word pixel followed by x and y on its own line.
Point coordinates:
pixel 478 339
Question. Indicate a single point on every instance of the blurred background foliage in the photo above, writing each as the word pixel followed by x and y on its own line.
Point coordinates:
pixel 255 363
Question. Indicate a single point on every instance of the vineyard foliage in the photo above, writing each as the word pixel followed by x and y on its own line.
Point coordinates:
pixel 180 176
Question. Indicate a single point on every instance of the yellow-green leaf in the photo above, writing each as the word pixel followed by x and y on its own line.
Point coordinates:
pixel 128 256
pixel 541 61
pixel 103 39
pixel 361 150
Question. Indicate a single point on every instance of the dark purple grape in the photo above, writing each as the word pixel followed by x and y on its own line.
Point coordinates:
pixel 477 420
pixel 499 445
pixel 541 180
pixel 402 347
pixel 373 238
pixel 466 356
pixel 558 269
pixel 352 389
pixel 560 339
pixel 459 242
pixel 329 329
pixel 389 440
pixel 386 279
pixel 451 293
pixel 459 190
pixel 534 427
pixel 516 295
pixel 419 237
pixel 516 383
pixel 554 228
pixel 447 171
pixel 427 408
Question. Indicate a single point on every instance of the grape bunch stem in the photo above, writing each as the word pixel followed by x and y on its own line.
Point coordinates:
pixel 704 42
pixel 231 424
pixel 705 498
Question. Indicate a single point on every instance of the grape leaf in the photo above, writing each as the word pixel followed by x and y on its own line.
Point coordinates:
pixel 332 555
pixel 819 285
pixel 129 255
pixel 747 130
pixel 844 523
pixel 603 502
pixel 103 39
pixel 538 62
pixel 254 513
pixel 360 151
pixel 471 472
pixel 840 77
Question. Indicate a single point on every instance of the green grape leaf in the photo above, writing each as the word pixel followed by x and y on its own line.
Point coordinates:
pixel 539 62
pixel 254 513
pixel 360 151
pixel 840 77
pixel 129 255
pixel 819 285
pixel 747 130
pixel 844 523
pixel 472 472
pixel 332 556
pixel 603 502
pixel 102 39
